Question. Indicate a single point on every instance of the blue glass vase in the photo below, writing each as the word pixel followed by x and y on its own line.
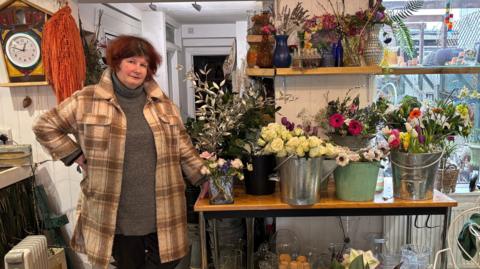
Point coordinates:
pixel 281 55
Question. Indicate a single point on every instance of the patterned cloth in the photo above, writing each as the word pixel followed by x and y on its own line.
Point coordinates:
pixel 94 117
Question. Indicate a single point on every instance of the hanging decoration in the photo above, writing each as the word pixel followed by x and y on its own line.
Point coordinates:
pixel 448 16
pixel 63 54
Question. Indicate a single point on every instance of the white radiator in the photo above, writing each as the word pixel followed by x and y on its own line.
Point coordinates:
pixel 30 253
pixel 394 229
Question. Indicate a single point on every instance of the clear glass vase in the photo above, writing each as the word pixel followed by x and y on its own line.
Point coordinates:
pixel 221 190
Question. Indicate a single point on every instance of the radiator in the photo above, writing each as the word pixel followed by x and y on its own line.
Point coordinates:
pixel 394 229
pixel 30 253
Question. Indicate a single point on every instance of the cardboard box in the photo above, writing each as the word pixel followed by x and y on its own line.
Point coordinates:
pixel 56 259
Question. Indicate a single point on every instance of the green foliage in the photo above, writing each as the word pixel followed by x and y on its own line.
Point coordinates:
pixel 400 30
pixel 93 56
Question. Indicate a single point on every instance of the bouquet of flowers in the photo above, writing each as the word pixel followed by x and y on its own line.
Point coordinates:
pixel 345 118
pixel 319 32
pixel 414 127
pixel 370 154
pixel 277 139
pixel 221 174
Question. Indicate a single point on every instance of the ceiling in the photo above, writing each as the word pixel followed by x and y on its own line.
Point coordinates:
pixel 211 12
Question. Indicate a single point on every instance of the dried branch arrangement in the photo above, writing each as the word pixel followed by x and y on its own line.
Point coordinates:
pixel 289 21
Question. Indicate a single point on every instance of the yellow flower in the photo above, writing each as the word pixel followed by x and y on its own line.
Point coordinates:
pixel 293 142
pixel 405 138
pixel 261 142
pixel 314 141
pixel 282 153
pixel 290 150
pixel 331 150
pixel 308 45
pixel 268 134
pixel 297 132
pixel 250 167
pixel 299 151
pixel 314 152
pixel 462 110
pixel 277 144
pixel 286 135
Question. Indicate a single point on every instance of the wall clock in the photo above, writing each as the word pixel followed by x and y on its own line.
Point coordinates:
pixel 21 26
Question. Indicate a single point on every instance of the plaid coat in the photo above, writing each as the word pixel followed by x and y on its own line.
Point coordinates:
pixel 94 117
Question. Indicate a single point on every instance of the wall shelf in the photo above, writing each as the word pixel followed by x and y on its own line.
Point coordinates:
pixel 362 70
pixel 432 70
pixel 24 84
pixel 260 72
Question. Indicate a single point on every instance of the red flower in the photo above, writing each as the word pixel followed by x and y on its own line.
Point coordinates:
pixel 336 120
pixel 355 127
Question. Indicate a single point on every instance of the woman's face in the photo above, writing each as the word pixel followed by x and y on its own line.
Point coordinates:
pixel 133 71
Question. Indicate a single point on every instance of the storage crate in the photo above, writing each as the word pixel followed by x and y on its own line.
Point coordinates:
pixel 15 155
pixel 56 258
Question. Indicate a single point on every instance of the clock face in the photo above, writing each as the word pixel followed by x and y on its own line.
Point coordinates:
pixel 22 50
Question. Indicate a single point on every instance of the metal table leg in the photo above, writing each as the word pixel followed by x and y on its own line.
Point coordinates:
pixel 216 250
pixel 408 238
pixel 446 225
pixel 203 241
pixel 250 241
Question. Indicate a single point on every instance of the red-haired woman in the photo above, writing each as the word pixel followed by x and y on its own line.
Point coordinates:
pixel 132 147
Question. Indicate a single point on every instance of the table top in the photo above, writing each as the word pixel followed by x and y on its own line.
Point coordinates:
pixel 246 202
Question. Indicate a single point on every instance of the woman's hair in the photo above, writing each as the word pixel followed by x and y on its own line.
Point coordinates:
pixel 129 46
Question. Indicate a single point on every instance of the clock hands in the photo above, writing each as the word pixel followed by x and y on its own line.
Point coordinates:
pixel 18 48
pixel 24 45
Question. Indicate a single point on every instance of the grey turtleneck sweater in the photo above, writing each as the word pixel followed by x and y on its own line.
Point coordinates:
pixel 136 211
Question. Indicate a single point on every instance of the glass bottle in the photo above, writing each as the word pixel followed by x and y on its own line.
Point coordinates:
pixel 252 55
pixel 339 53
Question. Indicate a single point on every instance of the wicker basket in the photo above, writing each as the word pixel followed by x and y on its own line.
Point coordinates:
pixel 446 179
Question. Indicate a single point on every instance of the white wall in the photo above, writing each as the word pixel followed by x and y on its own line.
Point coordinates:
pixel 210 39
pixel 62 184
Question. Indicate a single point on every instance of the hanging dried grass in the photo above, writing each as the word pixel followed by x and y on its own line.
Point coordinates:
pixel 63 54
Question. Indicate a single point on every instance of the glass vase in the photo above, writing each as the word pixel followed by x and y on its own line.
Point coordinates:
pixel 373 51
pixel 221 190
pixel 281 56
pixel 265 53
pixel 351 47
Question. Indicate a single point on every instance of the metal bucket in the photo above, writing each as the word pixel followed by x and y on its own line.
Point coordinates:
pixel 300 179
pixel 414 174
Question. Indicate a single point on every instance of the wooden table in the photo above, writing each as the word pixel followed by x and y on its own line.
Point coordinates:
pixel 250 206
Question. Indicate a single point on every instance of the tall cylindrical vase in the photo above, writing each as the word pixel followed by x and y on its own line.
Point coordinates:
pixel 373 47
pixel 257 181
pixel 281 55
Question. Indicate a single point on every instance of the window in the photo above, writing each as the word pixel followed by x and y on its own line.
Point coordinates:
pixel 437 46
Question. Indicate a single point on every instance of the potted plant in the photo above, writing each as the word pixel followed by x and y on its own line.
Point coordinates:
pixel 417 135
pixel 299 160
pixel 357 172
pixel 349 125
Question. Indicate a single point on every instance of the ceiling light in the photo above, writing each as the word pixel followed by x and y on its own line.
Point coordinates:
pixel 196 6
pixel 152 6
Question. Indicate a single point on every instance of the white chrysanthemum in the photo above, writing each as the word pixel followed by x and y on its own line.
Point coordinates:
pixel 221 162
pixel 369 155
pixel 342 159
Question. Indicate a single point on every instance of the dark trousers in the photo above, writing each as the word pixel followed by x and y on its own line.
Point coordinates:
pixel 138 252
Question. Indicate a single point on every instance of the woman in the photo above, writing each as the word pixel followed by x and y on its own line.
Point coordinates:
pixel 132 147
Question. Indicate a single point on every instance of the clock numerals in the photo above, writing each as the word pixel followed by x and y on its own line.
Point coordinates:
pixel 23 50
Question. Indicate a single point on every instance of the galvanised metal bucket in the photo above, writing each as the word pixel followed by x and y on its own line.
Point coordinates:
pixel 414 174
pixel 300 179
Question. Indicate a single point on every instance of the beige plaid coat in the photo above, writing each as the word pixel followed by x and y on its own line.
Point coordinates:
pixel 94 117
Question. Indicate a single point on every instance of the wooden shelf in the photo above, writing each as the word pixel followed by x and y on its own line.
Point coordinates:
pixel 24 84
pixel 360 70
pixel 432 70
pixel 261 72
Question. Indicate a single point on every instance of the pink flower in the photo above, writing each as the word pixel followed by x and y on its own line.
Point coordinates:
pixel 336 120
pixel 207 155
pixel 396 133
pixel 355 127
pixel 393 142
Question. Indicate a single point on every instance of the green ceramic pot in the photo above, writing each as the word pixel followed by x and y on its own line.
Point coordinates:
pixel 356 181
